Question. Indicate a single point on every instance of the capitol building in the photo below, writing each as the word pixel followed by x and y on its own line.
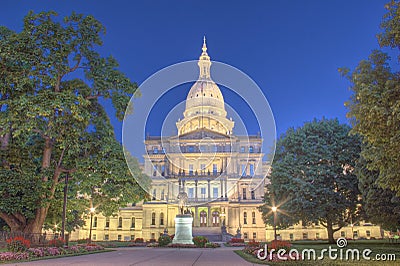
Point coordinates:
pixel 223 174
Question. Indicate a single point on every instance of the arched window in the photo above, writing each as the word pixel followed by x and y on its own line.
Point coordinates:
pixel 215 218
pixel 107 222
pixel 120 222
pixel 245 218
pixel 95 222
pixel 133 222
pixel 253 217
pixel 203 218
pixel 162 218
pixel 153 218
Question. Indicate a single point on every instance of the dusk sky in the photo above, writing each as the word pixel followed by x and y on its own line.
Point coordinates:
pixel 291 49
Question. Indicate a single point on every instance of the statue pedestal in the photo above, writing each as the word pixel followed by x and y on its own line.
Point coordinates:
pixel 183 229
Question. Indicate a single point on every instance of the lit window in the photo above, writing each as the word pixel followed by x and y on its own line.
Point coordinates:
pixel 95 222
pixel 119 222
pixel 242 149
pixel 161 218
pixel 254 235
pixel 244 193
pixel 245 218
pixel 190 169
pixel 153 218
pixel 215 192
pixel 190 193
pixel 251 169
pixel 253 217
pixel 214 169
pixel 133 222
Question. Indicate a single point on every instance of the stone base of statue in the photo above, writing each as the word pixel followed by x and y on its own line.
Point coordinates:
pixel 183 229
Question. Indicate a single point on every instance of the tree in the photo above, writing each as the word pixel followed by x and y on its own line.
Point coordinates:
pixel 374 107
pixel 312 177
pixel 381 206
pixel 51 122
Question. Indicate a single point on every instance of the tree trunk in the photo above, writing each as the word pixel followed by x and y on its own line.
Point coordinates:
pixel 329 228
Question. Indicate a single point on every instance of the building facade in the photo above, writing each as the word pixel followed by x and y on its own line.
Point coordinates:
pixel 223 175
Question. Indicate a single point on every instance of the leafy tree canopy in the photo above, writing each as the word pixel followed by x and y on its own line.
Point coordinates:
pixel 374 107
pixel 312 177
pixel 51 122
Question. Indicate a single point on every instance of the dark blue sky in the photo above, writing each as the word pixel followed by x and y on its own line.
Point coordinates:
pixel 291 49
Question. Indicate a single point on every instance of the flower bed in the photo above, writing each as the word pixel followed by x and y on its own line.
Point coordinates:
pixel 47 252
pixel 253 249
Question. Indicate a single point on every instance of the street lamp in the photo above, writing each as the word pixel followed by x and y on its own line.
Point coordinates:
pixel 91 222
pixel 274 210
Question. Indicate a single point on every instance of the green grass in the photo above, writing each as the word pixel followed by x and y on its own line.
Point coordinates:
pixel 377 247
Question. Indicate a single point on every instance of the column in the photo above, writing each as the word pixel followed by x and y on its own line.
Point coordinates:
pixel 209 189
pixel 226 188
pixel 209 217
pixel 180 185
pixel 195 190
pixel 196 216
pixel 222 188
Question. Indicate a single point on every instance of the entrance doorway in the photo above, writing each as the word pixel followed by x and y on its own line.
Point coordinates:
pixel 215 218
pixel 203 219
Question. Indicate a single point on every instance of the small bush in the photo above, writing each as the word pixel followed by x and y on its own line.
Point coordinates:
pixel 236 240
pixel 164 240
pixel 200 241
pixel 280 244
pixel 253 243
pixel 82 241
pixel 212 245
pixel 139 240
pixel 18 244
pixel 58 242
pixel 152 240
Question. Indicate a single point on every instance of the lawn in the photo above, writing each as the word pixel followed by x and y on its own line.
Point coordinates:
pixel 377 247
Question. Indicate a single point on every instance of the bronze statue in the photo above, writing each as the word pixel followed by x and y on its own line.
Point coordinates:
pixel 183 200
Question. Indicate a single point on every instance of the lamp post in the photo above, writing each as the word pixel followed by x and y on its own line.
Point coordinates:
pixel 274 210
pixel 64 207
pixel 91 222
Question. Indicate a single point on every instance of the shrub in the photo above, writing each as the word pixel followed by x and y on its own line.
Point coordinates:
pixel 212 245
pixel 280 244
pixel 236 240
pixel 58 242
pixel 152 240
pixel 4 256
pixel 18 244
pixel 139 240
pixel 200 241
pixel 164 240
pixel 82 241
pixel 253 243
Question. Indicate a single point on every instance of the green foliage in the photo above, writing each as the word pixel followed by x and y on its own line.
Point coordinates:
pixel 374 107
pixel 51 122
pixel 18 244
pixel 390 25
pixel 381 205
pixel 164 240
pixel 312 177
pixel 200 241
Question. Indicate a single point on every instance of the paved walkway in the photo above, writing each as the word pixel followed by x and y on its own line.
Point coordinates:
pixel 151 256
